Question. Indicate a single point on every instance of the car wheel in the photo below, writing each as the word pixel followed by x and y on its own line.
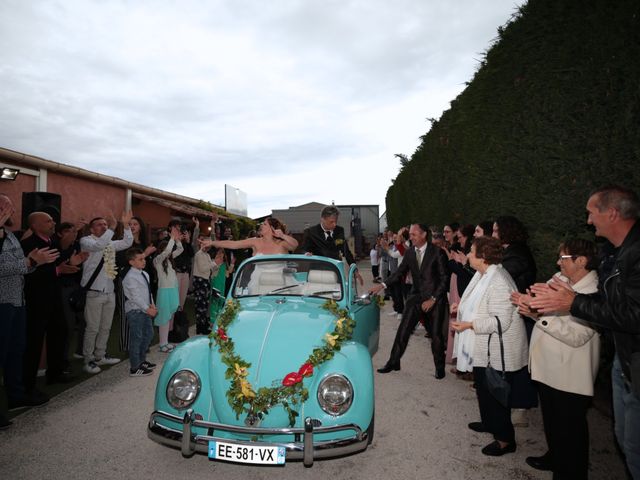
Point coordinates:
pixel 371 429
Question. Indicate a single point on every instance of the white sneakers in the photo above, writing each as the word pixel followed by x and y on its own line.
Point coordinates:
pixel 107 360
pixel 92 368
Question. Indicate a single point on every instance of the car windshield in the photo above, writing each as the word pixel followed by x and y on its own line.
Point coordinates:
pixel 311 278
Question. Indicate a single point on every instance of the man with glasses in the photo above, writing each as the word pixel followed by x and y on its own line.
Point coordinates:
pixel 614 211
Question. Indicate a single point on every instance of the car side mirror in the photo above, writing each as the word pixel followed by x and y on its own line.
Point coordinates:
pixel 364 299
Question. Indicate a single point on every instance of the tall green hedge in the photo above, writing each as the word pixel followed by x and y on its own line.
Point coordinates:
pixel 552 112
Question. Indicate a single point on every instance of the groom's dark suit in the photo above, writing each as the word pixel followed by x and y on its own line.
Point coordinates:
pixel 431 279
pixel 315 241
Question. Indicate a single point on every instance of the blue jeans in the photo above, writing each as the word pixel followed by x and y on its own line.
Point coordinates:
pixel 13 322
pixel 626 413
pixel 140 335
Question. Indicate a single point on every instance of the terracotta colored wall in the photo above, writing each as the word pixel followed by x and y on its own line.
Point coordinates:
pixel 154 215
pixel 13 189
pixel 86 199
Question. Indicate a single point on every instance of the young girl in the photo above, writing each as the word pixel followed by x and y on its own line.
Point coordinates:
pixel 168 299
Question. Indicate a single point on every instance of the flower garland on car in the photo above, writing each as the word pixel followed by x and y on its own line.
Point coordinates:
pixel 242 396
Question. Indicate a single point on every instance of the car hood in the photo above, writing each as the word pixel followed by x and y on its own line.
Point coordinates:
pixel 276 338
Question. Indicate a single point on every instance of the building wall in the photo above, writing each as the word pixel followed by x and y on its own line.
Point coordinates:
pixel 154 215
pixel 86 199
pixel 13 189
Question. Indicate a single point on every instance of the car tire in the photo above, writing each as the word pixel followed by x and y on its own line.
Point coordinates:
pixel 371 429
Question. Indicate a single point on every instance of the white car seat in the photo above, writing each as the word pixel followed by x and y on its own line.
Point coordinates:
pixel 268 282
pixel 321 281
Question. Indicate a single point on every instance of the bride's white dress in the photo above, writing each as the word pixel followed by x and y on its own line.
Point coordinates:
pixel 254 286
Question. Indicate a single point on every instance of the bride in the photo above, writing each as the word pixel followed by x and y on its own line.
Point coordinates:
pixel 271 240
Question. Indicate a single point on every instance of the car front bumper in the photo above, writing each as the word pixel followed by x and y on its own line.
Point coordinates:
pixel 303 448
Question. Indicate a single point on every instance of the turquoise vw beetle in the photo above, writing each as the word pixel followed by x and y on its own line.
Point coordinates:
pixel 286 373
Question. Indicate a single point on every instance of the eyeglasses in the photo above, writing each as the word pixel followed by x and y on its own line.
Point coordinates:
pixel 564 257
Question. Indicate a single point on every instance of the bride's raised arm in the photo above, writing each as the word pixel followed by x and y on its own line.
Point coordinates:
pixel 231 244
pixel 291 242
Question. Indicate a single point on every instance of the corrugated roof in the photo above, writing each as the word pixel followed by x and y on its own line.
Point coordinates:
pixel 178 207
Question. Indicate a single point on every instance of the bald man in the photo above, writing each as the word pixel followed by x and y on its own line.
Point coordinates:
pixel 44 309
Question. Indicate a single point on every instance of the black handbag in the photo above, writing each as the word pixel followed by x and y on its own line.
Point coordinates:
pixel 497 383
pixel 78 298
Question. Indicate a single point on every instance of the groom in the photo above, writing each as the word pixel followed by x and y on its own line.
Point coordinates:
pixel 327 238
pixel 428 266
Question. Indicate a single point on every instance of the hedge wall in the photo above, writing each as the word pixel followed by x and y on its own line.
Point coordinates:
pixel 552 112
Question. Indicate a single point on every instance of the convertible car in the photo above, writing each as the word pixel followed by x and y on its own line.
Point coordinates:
pixel 286 373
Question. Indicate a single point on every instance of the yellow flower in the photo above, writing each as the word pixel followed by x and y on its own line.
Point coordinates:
pixel 340 322
pixel 240 371
pixel 247 391
pixel 330 339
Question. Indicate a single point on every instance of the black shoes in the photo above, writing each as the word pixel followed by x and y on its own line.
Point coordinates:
pixel 440 373
pixel 389 368
pixel 540 463
pixel 495 450
pixel 148 365
pixel 32 399
pixel 478 427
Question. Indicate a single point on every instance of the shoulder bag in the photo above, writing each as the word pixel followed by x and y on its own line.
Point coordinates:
pixel 78 298
pixel 497 383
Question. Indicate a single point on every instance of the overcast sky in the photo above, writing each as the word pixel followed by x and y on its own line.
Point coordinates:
pixel 291 101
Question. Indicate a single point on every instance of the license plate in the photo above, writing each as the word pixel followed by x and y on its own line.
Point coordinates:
pixel 234 452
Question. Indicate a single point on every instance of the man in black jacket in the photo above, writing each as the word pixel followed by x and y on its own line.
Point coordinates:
pixel 428 266
pixel 614 211
pixel 44 307
pixel 327 238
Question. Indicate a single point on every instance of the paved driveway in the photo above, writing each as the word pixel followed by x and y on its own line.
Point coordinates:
pixel 98 430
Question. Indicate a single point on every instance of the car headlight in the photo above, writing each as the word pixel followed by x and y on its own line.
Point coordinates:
pixel 335 394
pixel 183 389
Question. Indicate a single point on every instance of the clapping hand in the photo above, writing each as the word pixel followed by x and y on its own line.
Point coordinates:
pixel 523 302
pixel 44 255
pixel 460 326
pixel 78 258
pixel 555 296
pixel 459 257
pixel 149 250
pixel 196 221
pixel 67 269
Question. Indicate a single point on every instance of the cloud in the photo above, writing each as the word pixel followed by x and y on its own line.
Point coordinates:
pixel 289 101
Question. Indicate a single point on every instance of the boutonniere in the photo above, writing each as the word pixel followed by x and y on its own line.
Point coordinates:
pixel 339 241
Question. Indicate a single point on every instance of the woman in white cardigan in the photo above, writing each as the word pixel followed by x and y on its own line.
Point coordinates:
pixel 563 358
pixel 487 299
